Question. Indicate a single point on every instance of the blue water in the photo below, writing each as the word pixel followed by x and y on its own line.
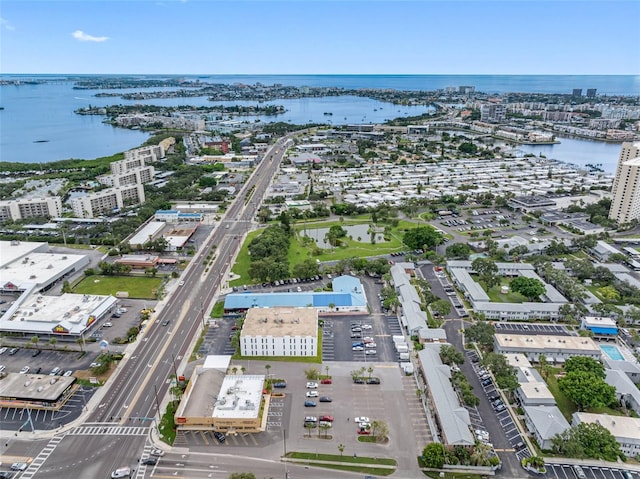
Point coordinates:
pixel 612 351
pixel 45 112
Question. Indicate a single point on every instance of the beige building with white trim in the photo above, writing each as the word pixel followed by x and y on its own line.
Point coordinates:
pixel 625 204
pixel 280 332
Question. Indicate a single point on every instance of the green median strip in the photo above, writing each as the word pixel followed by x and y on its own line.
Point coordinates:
pixel 372 461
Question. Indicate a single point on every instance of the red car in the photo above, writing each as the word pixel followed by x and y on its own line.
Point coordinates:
pixel 364 430
pixel 325 381
pixel 326 418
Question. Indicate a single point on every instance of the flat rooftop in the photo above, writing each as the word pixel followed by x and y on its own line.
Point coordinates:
pixel 619 426
pixel 150 230
pixel 13 250
pixel 34 387
pixel 31 268
pixel 541 342
pixel 281 322
pixel 69 313
pixel 202 398
pixel 239 397
pixel 536 390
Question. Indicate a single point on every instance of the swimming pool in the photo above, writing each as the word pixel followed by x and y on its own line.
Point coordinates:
pixel 612 351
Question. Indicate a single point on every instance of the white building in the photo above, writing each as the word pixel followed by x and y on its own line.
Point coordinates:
pixel 136 158
pixel 625 429
pixel 544 422
pixel 149 232
pixel 142 175
pixel 107 201
pixel 19 209
pixel 554 348
pixel 280 332
pixel 625 205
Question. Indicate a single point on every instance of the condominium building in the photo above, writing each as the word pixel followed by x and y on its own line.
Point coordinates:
pixel 136 158
pixel 106 201
pixel 493 112
pixel 19 209
pixel 141 174
pixel 625 205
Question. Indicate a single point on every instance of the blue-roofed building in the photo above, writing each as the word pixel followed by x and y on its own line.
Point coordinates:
pixel 600 326
pixel 347 296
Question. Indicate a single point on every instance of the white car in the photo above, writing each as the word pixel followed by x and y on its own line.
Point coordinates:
pixel 367 326
pixel 19 466
pixel 370 345
pixel 25 370
pixel 357 348
pixel 312 394
pixel 311 385
pixel 3 350
pixel 67 373
pixel 107 325
pixel 181 283
pixel 157 452
pixel 121 472
pixel 362 419
pixel 370 352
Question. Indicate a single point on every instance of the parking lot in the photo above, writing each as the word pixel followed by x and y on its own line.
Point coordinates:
pixel 565 471
pixel 361 338
pixel 503 432
pixel 529 328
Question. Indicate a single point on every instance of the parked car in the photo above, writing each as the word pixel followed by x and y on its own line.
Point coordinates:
pixel 68 373
pixel 371 352
pixel 3 350
pixel 326 418
pixel 325 381
pixel 19 466
pixel 325 399
pixel 579 472
pixel 373 381
pixel 358 381
pixel 309 404
pixel 219 436
pixel 13 351
pixel 312 385
pixel 55 371
pixel 361 419
pixel 280 384
pixel 35 353
pixel 25 370
pixel 312 394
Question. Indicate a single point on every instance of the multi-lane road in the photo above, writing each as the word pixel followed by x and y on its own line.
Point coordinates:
pixel 115 432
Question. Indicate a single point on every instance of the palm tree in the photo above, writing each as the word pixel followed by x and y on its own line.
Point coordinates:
pixel 234 370
pixel 243 369
pixel 308 426
pixel 35 340
pixel 80 342
pixel 326 369
pixel 341 449
pixel 370 371
pixel 53 342
pixel 267 367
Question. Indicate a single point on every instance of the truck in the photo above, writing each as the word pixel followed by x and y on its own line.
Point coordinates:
pixel 404 356
pixel 402 349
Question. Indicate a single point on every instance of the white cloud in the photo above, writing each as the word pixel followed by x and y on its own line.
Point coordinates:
pixel 4 23
pixel 85 37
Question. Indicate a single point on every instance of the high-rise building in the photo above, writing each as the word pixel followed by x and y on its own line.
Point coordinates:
pixel 493 112
pixel 106 201
pixel 591 92
pixel 23 208
pixel 577 92
pixel 625 205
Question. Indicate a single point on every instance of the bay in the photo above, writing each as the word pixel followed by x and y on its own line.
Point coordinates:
pixel 37 123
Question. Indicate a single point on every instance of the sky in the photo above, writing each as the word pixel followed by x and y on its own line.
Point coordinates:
pixel 562 37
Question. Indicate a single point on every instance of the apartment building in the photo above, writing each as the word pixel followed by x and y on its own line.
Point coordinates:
pixel 493 112
pixel 106 201
pixel 137 158
pixel 625 205
pixel 19 209
pixel 142 174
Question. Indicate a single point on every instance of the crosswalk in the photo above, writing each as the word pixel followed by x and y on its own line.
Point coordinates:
pixel 37 463
pixel 108 429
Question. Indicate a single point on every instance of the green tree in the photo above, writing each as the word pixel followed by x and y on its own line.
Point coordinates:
pixel 335 234
pixel 458 251
pixel 450 355
pixel 341 449
pixel 481 333
pixel 433 455
pixel 585 364
pixel 487 271
pixel 422 237
pixel 441 307
pixel 591 440
pixel 587 390
pixel 34 340
pixel 53 342
pixel 530 288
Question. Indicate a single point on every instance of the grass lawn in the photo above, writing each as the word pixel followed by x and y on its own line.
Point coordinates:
pixel 497 297
pixel 139 287
pixel 298 252
pixel 167 424
pixel 340 458
pixel 218 310
pixel 566 406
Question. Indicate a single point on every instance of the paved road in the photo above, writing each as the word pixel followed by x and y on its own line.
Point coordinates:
pixel 142 379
